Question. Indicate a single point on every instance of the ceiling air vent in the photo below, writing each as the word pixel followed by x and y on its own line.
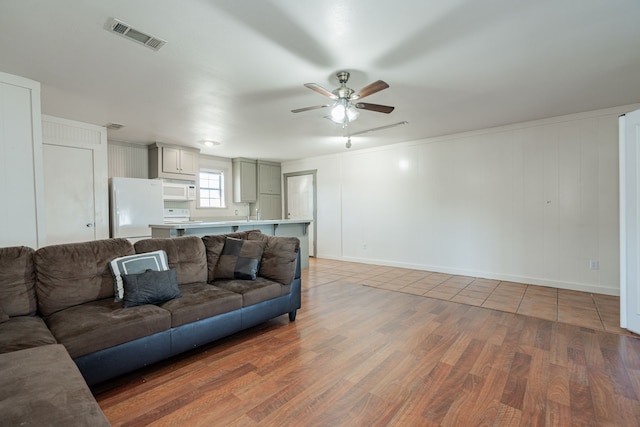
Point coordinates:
pixel 114 126
pixel 118 27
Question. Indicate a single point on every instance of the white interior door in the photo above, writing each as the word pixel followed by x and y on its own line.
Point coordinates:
pixel 301 203
pixel 69 194
pixel 630 221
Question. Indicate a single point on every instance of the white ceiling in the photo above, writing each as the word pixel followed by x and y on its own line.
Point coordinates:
pixel 232 70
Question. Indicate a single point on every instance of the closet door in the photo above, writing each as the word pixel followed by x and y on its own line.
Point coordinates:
pixel 76 182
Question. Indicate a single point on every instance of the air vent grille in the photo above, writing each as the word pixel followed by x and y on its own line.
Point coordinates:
pixel 114 126
pixel 118 27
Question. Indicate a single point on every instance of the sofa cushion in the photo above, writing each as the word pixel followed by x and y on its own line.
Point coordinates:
pixel 279 258
pixel 214 245
pixel 132 264
pixel 150 287
pixel 24 332
pixel 17 281
pixel 101 324
pixel 240 259
pixel 186 254
pixel 43 387
pixel 200 301
pixel 254 291
pixel 75 273
pixel 3 316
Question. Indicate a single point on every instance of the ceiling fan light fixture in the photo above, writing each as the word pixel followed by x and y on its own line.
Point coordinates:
pixel 343 112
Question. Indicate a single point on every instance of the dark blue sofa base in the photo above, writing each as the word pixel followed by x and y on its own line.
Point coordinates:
pixel 114 361
pixel 127 357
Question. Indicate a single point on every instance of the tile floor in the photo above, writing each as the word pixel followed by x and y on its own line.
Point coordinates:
pixel 594 311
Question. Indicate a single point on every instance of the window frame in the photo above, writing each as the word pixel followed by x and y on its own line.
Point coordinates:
pixel 223 195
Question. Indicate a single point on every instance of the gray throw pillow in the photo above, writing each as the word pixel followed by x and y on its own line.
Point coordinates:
pixel 132 264
pixel 150 287
pixel 240 259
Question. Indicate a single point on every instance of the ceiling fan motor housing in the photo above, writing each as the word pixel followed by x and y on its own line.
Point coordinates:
pixel 343 91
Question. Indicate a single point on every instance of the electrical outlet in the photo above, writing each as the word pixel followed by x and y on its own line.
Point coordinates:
pixel 594 264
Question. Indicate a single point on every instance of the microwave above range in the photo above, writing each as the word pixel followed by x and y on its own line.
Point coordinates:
pixel 176 191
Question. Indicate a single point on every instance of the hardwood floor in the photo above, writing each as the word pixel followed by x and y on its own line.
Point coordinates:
pixel 359 355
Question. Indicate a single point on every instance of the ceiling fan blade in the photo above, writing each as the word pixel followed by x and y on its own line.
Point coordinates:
pixel 375 107
pixel 321 90
pixel 370 89
pixel 315 107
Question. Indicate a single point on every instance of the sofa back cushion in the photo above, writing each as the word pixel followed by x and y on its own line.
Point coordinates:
pixel 279 257
pixel 75 273
pixel 214 245
pixel 186 254
pixel 17 281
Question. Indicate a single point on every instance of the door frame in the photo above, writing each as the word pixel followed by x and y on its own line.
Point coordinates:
pixel 629 166
pixel 74 134
pixel 313 173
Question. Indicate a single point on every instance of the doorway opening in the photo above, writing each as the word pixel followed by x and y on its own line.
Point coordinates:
pixel 300 201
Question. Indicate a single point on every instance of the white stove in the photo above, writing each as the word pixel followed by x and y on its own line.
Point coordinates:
pixel 176 216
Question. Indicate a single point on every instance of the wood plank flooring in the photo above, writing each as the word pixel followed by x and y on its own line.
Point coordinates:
pixel 363 356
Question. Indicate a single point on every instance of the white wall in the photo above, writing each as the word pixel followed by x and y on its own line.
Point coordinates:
pixel 533 202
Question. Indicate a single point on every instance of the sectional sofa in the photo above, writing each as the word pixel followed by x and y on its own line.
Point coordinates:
pixel 75 315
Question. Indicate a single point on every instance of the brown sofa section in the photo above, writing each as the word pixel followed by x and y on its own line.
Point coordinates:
pixel 186 254
pixel 61 330
pixel 96 325
pixel 22 332
pixel 46 390
pixel 20 328
pixel 199 300
pixel 75 273
pixel 18 278
pixel 254 291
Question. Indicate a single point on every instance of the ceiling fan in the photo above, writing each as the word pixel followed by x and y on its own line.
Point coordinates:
pixel 344 109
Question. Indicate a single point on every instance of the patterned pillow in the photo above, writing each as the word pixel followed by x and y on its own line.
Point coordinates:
pixel 133 264
pixel 150 287
pixel 240 259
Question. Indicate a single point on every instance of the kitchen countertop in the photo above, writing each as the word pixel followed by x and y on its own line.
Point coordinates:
pixel 243 222
pixel 275 227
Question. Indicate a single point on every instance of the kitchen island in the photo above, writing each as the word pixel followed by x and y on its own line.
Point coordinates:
pixel 273 227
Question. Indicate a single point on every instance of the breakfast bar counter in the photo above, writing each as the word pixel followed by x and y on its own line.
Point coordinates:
pixel 273 227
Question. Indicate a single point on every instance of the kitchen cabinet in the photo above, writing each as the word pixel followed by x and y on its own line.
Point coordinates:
pixel 166 161
pixel 269 194
pixel 244 180
pixel 270 206
pixel 269 177
pixel 22 217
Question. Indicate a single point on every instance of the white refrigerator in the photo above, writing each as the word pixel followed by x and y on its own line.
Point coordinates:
pixel 134 204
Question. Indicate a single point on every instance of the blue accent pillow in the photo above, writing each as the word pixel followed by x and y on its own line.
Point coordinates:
pixel 150 287
pixel 132 264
